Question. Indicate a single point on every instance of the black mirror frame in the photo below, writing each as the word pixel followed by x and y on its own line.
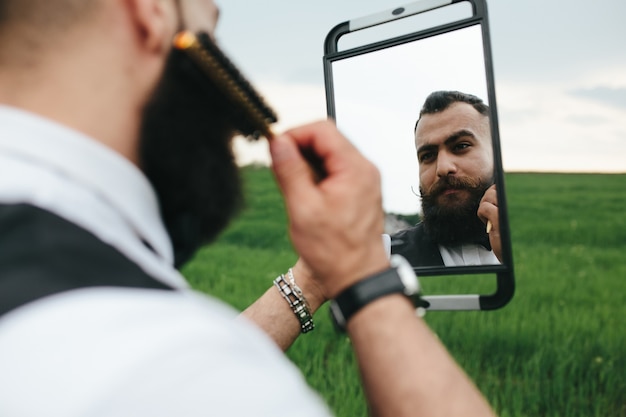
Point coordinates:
pixel 504 273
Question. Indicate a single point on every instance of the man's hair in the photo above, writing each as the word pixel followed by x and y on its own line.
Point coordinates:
pixel 438 101
pixel 30 27
pixel 45 15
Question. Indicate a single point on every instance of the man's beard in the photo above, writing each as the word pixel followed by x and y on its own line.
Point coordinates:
pixel 186 153
pixel 454 221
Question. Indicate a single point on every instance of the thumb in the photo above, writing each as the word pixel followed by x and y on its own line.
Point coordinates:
pixel 290 168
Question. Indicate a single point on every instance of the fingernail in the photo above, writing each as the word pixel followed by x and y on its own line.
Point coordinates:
pixel 281 149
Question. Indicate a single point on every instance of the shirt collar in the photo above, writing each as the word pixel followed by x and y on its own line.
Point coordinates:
pixel 110 175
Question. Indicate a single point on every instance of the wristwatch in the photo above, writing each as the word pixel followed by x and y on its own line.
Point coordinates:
pixel 399 278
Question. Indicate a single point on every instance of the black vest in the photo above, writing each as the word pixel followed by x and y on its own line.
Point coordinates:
pixel 43 254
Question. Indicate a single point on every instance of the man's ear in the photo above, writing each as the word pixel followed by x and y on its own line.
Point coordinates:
pixel 155 22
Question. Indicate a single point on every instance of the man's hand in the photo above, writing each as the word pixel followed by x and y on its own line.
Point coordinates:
pixel 488 213
pixel 336 221
pixel 199 16
pixel 335 224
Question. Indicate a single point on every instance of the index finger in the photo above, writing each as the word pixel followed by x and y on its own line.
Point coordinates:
pixel 490 196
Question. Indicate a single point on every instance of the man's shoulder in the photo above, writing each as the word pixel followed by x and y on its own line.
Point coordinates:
pixel 416 246
pixel 42 254
pixel 166 352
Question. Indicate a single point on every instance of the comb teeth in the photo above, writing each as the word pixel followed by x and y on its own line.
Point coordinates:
pixel 227 78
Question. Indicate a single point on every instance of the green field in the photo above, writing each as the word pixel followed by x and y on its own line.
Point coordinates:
pixel 559 347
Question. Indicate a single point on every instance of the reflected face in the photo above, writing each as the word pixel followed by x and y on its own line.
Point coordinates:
pixel 455 142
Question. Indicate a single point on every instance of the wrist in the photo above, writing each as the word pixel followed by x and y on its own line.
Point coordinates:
pixel 311 290
pixel 340 281
pixel 296 300
pixel 399 279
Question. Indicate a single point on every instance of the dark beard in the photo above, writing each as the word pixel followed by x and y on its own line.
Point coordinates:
pixel 186 153
pixel 454 222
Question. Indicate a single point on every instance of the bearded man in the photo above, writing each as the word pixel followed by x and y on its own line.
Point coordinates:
pixel 459 201
pixel 115 166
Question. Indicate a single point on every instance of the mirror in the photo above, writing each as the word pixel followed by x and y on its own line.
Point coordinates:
pixel 435 172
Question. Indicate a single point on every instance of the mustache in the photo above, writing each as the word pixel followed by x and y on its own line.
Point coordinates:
pixel 448 182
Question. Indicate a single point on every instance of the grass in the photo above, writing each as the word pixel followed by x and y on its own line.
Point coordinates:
pixel 558 349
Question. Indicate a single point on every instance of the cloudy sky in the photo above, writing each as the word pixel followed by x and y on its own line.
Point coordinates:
pixel 560 71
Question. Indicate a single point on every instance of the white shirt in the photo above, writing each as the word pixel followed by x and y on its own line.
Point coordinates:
pixel 470 254
pixel 460 255
pixel 123 351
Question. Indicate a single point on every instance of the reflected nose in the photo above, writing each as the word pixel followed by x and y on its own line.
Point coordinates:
pixel 445 164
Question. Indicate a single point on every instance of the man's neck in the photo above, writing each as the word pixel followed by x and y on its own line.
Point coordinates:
pixel 80 89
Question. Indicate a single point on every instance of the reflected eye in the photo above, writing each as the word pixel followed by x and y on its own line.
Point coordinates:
pixel 461 146
pixel 426 157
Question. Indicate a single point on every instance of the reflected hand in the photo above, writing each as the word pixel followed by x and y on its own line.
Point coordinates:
pixel 335 222
pixel 488 213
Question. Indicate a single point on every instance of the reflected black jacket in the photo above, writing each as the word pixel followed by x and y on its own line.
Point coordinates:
pixel 415 245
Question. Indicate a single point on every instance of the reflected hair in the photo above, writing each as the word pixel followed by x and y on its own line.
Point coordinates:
pixel 438 101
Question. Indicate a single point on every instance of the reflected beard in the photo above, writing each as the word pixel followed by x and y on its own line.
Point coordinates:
pixel 186 153
pixel 455 220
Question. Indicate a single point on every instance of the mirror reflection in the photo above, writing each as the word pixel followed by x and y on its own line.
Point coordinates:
pixel 456 184
pixel 419 111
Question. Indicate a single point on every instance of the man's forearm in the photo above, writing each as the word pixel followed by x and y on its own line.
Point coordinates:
pixel 405 369
pixel 274 316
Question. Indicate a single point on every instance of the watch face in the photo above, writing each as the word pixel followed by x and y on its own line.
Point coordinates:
pixel 400 278
pixel 406 274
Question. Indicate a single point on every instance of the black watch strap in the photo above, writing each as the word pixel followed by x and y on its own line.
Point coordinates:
pixel 352 299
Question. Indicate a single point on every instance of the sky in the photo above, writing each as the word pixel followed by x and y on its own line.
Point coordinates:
pixel 560 73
